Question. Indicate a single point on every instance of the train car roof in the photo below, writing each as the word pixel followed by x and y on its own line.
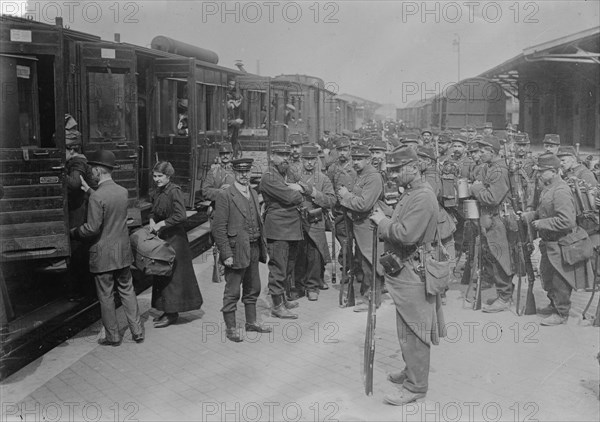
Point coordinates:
pixel 67 32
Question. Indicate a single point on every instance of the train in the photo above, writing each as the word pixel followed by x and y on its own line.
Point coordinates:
pixel 470 102
pixel 170 101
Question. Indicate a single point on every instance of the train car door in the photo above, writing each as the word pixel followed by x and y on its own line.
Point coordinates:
pixel 33 217
pixel 254 133
pixel 109 116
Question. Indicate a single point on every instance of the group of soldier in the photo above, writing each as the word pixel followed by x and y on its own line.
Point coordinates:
pixel 407 198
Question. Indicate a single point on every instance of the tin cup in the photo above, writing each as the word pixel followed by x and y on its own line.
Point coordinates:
pixel 470 209
pixel 462 187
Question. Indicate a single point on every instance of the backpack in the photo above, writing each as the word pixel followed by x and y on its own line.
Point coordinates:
pixel 151 254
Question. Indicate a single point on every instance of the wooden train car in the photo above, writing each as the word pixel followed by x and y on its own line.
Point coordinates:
pixel 473 101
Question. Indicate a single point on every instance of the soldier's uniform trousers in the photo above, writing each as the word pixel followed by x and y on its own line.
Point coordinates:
pixel 281 267
pixel 309 265
pixel 491 266
pixel 557 288
pixel 244 281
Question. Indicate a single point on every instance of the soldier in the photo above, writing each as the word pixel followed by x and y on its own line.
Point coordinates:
pixel 490 193
pixel 411 140
pixel 471 133
pixel 571 167
pixel 555 222
pixel 418 315
pixel 459 158
pixel 313 251
pixel 427 138
pixel 523 154
pixel 238 232
pixel 360 201
pixel 477 171
pixel 443 152
pixel 551 143
pixel 378 149
pixel 295 165
pixel 219 177
pixel 341 173
pixel 325 142
pixel 488 129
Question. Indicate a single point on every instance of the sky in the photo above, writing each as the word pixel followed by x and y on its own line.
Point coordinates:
pixel 384 51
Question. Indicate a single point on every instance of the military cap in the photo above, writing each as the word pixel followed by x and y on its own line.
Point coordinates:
pixel 225 148
pixel 490 141
pixel 463 129
pixel 444 138
pixel 471 129
pixel 551 138
pixel 354 136
pixel 400 157
pixel 360 151
pixel 547 161
pixel 410 139
pixel 242 164
pixel 342 142
pixel 104 158
pixel 309 151
pixel 295 139
pixel 522 138
pixel 473 146
pixel 487 125
pixel 566 150
pixel 377 146
pixel 305 139
pixel 459 138
pixel 426 152
pixel 73 141
pixel 280 148
pixel 426 131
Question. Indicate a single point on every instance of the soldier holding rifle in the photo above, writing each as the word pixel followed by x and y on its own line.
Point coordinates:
pixel 412 225
pixel 565 252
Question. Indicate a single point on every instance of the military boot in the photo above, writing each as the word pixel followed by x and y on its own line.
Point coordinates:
pixel 280 310
pixel 251 324
pixel 232 331
pixel 289 304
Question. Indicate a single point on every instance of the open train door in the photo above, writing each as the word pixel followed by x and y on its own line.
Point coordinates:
pixel 108 92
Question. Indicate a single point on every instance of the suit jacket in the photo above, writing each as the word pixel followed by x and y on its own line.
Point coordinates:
pixel 282 218
pixel 106 226
pixel 229 227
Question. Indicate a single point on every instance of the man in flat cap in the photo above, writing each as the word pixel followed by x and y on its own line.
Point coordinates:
pixel 359 202
pixel 283 228
pixel 491 194
pixel 313 251
pixel 556 225
pixel 238 232
pixel 110 251
pixel 419 316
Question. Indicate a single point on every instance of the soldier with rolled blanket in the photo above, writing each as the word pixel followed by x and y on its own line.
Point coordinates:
pixel 565 248
pixel 419 317
pixel 359 202
pixel 313 251
pixel 491 193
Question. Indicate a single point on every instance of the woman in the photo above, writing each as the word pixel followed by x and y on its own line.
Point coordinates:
pixel 179 292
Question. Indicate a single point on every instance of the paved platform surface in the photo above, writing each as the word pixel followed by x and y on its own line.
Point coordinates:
pixel 490 367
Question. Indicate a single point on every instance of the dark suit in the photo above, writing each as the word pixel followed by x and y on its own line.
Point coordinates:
pixel 237 230
pixel 110 255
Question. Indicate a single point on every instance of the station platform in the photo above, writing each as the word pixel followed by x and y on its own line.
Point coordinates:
pixel 491 367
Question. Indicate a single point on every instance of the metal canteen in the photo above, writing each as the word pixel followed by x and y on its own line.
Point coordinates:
pixel 462 187
pixel 471 210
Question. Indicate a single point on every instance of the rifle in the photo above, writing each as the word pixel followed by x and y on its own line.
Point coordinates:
pixel 346 298
pixel 596 322
pixel 216 275
pixel 333 257
pixel 474 271
pixel 369 349
pixel 530 308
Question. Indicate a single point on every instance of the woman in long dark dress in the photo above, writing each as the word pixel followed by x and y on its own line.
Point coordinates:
pixel 180 291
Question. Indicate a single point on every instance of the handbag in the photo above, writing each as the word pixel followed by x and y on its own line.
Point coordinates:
pixel 436 271
pixel 151 254
pixel 575 247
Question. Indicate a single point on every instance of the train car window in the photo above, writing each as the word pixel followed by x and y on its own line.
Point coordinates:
pixel 106 104
pixel 254 110
pixel 173 107
pixel 212 109
pixel 19 116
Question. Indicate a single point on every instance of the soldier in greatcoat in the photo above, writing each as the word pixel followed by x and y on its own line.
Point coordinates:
pixel 283 227
pixel 359 202
pixel 238 232
pixel 571 167
pixel 294 172
pixel 491 194
pixel 555 221
pixel 220 176
pixel 313 251
pixel 419 316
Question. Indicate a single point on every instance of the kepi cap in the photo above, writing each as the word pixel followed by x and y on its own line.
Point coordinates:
pixel 309 151
pixel 547 161
pixel 552 139
pixel 400 157
pixel 360 151
pixel 242 164
pixel 566 150
pixel 280 148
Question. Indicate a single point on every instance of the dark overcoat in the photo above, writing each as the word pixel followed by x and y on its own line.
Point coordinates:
pixel 180 291
pixel 217 177
pixel 229 225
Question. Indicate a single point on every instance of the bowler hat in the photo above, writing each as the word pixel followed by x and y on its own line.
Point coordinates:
pixel 547 161
pixel 400 157
pixel 490 141
pixel 242 164
pixel 360 151
pixel 104 158
pixel 426 152
pixel 551 138
pixel 566 150
pixel 280 148
pixel 309 151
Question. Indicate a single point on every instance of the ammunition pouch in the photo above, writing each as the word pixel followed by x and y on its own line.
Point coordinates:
pixel 510 220
pixel 391 263
pixel 314 216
